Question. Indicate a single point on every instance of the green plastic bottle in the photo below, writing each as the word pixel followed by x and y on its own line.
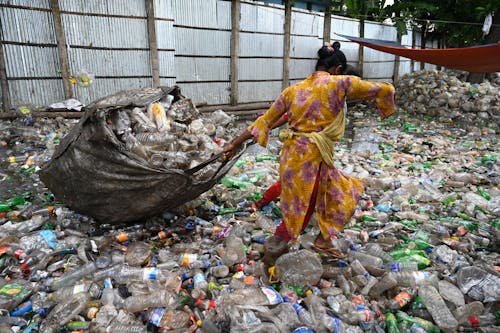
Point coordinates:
pixel 13 202
pixel 265 157
pixel 425 324
pixel 483 193
pixel 391 324
pixel 234 183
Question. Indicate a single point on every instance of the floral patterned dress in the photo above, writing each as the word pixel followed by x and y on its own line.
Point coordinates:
pixel 311 105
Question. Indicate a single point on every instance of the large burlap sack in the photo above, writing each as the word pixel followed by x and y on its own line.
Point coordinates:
pixel 94 174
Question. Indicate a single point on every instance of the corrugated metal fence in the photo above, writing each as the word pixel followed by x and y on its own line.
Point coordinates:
pixel 111 40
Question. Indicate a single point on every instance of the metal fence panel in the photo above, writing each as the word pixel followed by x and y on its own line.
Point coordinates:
pixel 202 14
pixel 103 87
pixel 35 92
pixel 202 69
pixel 262 18
pixel 121 7
pixel 259 91
pixel 214 93
pixel 28 62
pixel 301 68
pixel 268 69
pixel 26 25
pixel 105 32
pixel 259 45
pixel 28 3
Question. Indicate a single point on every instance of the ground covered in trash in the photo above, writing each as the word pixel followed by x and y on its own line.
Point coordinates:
pixel 421 249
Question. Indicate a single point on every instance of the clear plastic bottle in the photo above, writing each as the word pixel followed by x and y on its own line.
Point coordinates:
pixel 63 312
pixel 254 296
pixel 451 293
pixel 304 316
pixel 387 282
pixel 257 269
pixel 115 327
pixel 173 319
pixel 234 251
pixel 142 122
pixel 71 277
pixel 219 271
pixel 126 274
pixel 162 298
pixel 63 294
pixel 436 306
pixel 403 266
pixel 415 278
pixel 374 249
pixel 299 268
pixel 463 312
pixel 200 280
pixel 365 259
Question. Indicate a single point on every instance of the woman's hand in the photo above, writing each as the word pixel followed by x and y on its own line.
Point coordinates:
pixel 229 150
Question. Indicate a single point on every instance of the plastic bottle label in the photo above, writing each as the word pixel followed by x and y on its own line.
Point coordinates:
pixel 150 273
pixel 13 290
pixel 200 277
pixel 272 295
pixel 403 298
pixel 156 316
pixel 421 277
pixel 337 324
pixel 49 237
pixel 188 259
pixel 79 288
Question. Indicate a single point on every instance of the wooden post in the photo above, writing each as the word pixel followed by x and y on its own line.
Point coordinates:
pixel 286 44
pixel 423 41
pixel 327 24
pixel 235 49
pixel 153 43
pixel 395 76
pixel 61 48
pixel 413 43
pixel 3 75
pixel 361 51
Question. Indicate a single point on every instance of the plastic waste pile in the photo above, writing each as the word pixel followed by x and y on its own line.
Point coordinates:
pixel 421 250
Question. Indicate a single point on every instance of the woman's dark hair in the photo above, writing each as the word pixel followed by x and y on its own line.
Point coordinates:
pixel 328 57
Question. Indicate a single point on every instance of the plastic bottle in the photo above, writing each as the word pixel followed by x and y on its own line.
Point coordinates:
pixel 462 313
pixel 404 266
pixel 451 293
pixel 62 294
pixel 299 268
pixel 387 282
pixel 304 316
pixel 63 312
pixel 168 318
pixel 219 271
pixel 365 259
pixel 255 296
pixel 200 280
pixel 234 251
pixel 391 324
pixel 161 298
pixel 71 277
pixel 116 327
pixel 374 249
pixel 437 308
pixel 415 279
pixel 402 299
pixel 127 274
pixel 425 324
pixel 257 269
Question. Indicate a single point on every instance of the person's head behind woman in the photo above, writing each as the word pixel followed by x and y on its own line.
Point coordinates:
pixel 329 61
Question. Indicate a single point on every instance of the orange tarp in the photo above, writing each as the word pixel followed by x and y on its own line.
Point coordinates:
pixel 474 59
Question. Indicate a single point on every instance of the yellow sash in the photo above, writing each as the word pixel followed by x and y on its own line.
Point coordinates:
pixel 324 140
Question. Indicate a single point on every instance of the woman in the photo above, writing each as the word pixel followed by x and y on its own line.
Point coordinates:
pixel 310 181
pixel 274 191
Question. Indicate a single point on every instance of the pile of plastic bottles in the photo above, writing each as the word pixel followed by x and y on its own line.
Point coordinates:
pixel 421 250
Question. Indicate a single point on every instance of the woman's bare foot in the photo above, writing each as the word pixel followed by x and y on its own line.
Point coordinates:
pixel 326 247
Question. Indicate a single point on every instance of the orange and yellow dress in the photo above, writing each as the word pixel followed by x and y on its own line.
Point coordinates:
pixel 316 106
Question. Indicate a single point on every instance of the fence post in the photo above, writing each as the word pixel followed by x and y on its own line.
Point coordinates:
pixel 61 48
pixel 395 75
pixel 235 49
pixel 153 42
pixel 3 75
pixel 286 44
pixel 327 25
pixel 361 51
